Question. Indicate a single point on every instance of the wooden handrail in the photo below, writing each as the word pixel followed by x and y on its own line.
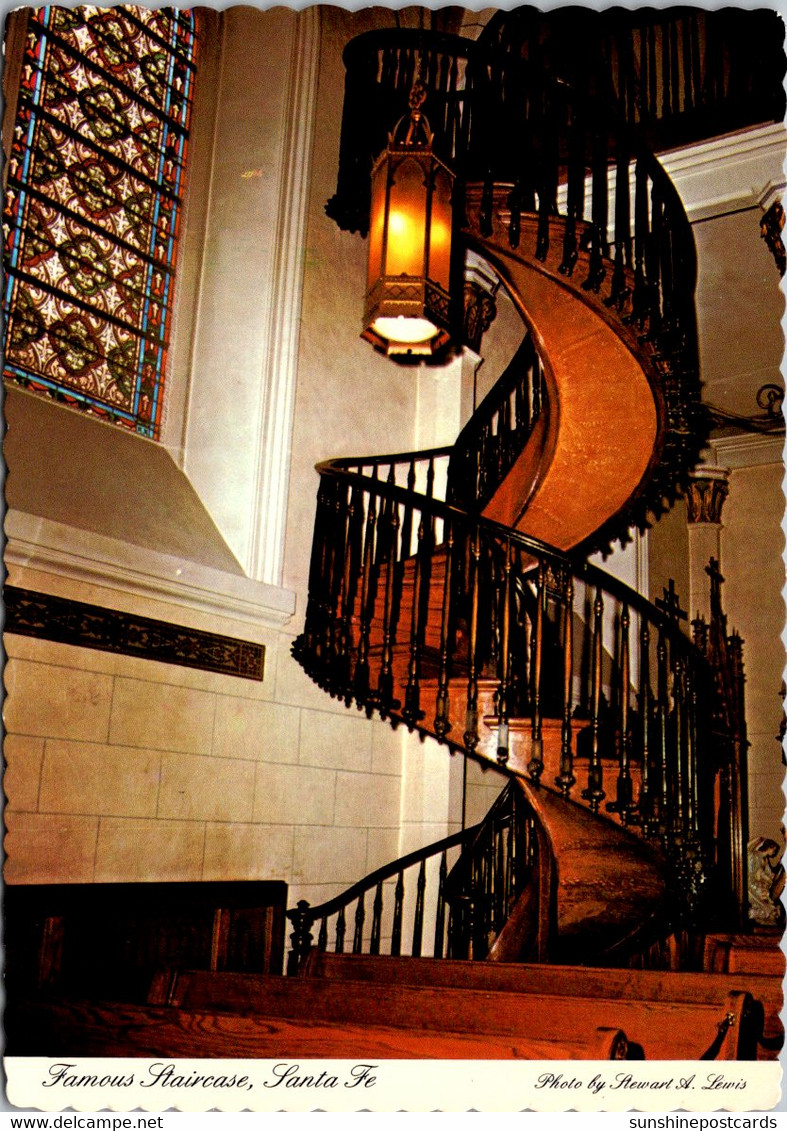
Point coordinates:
pixel 304 916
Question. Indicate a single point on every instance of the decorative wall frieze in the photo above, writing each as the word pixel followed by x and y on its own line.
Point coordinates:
pixel 41 615
pixel 706 491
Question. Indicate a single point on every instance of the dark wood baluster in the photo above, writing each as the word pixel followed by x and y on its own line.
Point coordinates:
pixel 351 564
pixel 322 938
pixel 411 712
pixel 486 915
pixel 341 931
pixel 575 196
pixel 318 614
pixel 627 66
pixel 483 476
pixel 407 523
pixel 377 919
pixel 653 261
pixel 624 796
pixel 565 780
pixel 500 879
pixel 396 929
pixel 418 921
pixel 679 751
pixel 537 390
pixel 442 723
pixel 439 927
pixel 505 660
pixel 385 688
pixel 453 133
pixel 599 211
pixel 508 866
pixel 594 793
pixel 361 679
pixel 535 766
pixel 653 97
pixel 333 645
pixel 674 65
pixel 696 68
pixel 430 478
pixel 688 94
pixel 662 721
pixel 360 915
pixel 645 795
pixel 552 118
pixel 640 301
pixel 666 83
pixel 619 290
pixel 693 790
pixel 470 737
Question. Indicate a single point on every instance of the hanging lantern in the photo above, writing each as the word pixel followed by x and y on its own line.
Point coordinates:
pixel 407 298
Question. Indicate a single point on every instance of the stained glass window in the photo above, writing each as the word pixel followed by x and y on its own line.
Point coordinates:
pixel 96 177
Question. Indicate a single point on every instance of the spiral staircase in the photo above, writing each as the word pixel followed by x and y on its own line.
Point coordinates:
pixel 450 590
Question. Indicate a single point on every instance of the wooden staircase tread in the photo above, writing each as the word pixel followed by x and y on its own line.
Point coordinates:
pixel 522 977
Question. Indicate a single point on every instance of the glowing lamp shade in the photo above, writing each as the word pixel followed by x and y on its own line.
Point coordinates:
pixel 407 296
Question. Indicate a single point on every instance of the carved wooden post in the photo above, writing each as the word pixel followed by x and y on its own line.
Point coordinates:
pixel 301 938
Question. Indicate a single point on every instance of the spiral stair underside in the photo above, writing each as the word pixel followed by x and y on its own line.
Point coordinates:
pixel 604 428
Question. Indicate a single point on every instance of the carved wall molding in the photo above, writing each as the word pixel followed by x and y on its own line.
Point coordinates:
pixel 81 556
pixel 706 491
pixel 28 613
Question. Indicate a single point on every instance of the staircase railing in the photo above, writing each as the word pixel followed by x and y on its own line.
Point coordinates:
pixel 367 933
pixel 493 438
pixel 566 169
pixel 462 627
pixel 490 875
pixel 681 74
pixel 491 862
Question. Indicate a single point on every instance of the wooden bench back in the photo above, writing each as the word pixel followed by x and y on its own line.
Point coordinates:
pixel 725 1029
pixel 69 1029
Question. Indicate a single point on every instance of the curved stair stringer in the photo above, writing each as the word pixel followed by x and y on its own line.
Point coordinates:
pixel 603 431
pixel 601 887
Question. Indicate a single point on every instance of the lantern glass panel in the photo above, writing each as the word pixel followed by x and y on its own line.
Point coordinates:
pixel 440 230
pixel 406 237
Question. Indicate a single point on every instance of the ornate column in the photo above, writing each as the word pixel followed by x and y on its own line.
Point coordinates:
pixel 707 490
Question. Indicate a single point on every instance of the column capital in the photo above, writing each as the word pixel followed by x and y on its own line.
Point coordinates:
pixel 705 494
pixel 480 308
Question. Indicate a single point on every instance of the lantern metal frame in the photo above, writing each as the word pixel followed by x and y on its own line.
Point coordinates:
pixel 409 295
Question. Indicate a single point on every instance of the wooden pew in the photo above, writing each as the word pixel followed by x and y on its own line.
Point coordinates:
pixel 69 1029
pixel 668 1014
pixel 532 1025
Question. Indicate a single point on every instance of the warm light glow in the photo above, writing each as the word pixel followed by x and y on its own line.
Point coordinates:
pixel 405 245
pixel 439 251
pixel 408 331
pixel 407 311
